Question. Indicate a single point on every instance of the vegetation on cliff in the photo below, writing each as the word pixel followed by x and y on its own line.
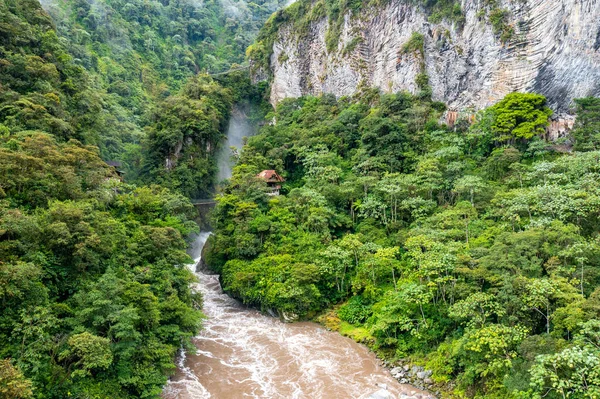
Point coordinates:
pixel 302 13
pixel 472 250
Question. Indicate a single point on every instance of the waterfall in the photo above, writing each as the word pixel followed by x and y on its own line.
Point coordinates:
pixel 239 128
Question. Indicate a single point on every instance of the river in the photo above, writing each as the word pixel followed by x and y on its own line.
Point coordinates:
pixel 245 354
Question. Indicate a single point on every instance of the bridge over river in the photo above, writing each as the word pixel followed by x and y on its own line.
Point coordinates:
pixel 204 206
pixel 202 202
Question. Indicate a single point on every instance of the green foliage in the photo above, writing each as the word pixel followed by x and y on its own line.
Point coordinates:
pixel 94 288
pixel 521 115
pixel 112 70
pixel 518 117
pixel 476 309
pixel 98 77
pixel 351 46
pixel 416 44
pixel 53 171
pixel 13 385
pixel 451 247
pixel 490 351
pixel 473 250
pixel 587 127
pixel 445 10
pixel 185 134
pixel 573 372
pixel 92 352
pixel 356 311
pixel 42 87
pixel 499 19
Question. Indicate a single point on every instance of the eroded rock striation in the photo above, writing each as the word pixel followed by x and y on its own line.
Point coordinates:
pixel 554 49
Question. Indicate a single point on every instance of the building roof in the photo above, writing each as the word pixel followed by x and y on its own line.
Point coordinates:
pixel 270 176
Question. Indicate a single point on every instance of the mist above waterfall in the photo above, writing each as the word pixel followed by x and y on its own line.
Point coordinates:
pixel 239 127
pixel 47 3
pixel 239 9
pixel 235 9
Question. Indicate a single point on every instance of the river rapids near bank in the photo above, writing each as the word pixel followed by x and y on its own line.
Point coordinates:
pixel 242 353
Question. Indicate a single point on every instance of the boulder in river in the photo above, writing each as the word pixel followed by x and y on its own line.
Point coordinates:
pixel 289 317
pixel 381 394
pixel 424 374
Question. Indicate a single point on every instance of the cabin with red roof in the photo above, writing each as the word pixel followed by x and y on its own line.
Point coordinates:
pixel 273 181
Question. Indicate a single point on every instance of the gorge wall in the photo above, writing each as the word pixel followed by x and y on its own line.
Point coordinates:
pixel 554 50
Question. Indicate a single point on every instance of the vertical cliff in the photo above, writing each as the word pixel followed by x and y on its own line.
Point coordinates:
pixel 547 46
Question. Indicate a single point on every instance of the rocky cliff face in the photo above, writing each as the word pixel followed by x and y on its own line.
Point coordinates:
pixel 554 50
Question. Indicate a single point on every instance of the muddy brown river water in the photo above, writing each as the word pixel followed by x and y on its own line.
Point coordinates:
pixel 245 354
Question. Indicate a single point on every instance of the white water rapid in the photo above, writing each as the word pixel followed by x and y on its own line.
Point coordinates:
pixel 245 354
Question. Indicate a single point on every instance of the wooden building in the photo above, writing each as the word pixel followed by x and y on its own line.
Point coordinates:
pixel 273 181
pixel 117 167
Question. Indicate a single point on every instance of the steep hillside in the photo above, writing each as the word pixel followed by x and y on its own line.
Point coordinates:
pixel 95 297
pixel 141 53
pixel 473 52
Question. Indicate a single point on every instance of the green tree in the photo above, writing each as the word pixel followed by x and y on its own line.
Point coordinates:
pixel 470 185
pixel 13 385
pixel 538 295
pixel 520 116
pixel 89 352
pixel 573 372
pixel 477 309
pixel 587 124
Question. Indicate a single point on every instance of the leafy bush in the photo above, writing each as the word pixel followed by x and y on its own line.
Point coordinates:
pixel 416 44
pixel 356 311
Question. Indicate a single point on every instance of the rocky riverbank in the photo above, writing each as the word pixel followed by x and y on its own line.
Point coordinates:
pixel 406 375
pixel 385 394
pixel 401 370
pixel 416 376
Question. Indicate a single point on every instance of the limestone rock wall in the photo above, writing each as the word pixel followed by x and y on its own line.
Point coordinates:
pixel 555 51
